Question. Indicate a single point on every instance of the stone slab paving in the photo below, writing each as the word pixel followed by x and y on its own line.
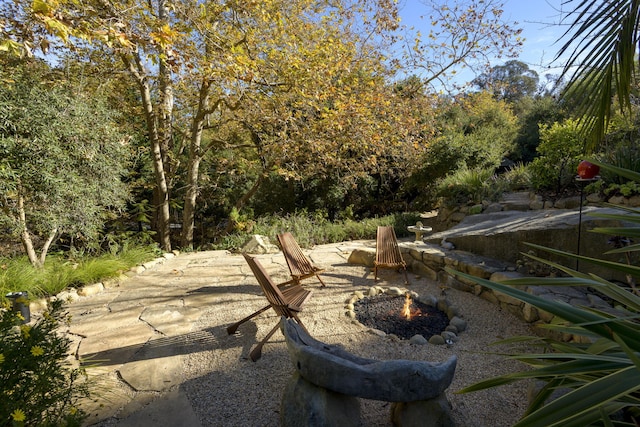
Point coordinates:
pixel 137 334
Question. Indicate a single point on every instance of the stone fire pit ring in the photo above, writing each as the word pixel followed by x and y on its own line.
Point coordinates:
pixel 448 337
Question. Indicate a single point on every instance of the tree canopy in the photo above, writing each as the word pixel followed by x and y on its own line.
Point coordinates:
pixel 62 161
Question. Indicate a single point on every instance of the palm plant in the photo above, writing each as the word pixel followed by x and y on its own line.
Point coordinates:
pixel 602 39
pixel 601 371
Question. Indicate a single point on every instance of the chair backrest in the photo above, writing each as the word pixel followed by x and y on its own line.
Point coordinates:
pixel 387 250
pixel 270 289
pixel 298 263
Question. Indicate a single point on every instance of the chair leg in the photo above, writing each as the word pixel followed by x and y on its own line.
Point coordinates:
pixel 318 276
pixel 231 329
pixel 406 277
pixel 256 353
pixel 297 319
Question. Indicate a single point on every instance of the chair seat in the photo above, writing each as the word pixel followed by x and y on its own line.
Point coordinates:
pixel 296 296
pixel 299 265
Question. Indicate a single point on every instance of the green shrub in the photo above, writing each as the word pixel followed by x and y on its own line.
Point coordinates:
pixel 467 186
pixel 558 156
pixel 315 228
pixel 37 385
pixel 517 177
pixel 602 372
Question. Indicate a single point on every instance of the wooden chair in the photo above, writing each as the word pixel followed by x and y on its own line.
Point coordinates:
pixel 299 265
pixel 286 301
pixel 388 253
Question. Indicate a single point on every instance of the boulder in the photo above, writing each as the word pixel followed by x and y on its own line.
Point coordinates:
pixel 364 257
pixel 412 414
pixel 258 244
pixel 304 403
pixel 335 369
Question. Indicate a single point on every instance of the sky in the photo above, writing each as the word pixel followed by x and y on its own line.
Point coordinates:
pixel 535 17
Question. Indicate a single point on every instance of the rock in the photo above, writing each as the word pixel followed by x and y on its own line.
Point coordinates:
pixel 568 203
pixel 492 208
pixel 424 271
pixel 364 257
pixel 594 198
pixel 459 323
pixel 333 368
pixel 92 289
pixel 377 332
pixel 530 313
pixel 457 216
pixel 68 295
pixel 317 406
pixel 634 201
pixel 449 337
pixel 616 200
pixel 137 269
pixel 447 245
pixel 418 340
pixel 536 202
pixel 437 340
pixel 258 244
pixel 451 328
pixel 517 201
pixel 452 312
pixel 430 413
pixel 394 291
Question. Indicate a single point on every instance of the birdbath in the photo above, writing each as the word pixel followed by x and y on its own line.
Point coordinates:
pixel 419 229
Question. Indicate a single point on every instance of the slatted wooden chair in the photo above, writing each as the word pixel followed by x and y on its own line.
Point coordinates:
pixel 299 265
pixel 286 301
pixel 388 253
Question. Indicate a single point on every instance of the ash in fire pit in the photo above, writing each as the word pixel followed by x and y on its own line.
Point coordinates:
pixel 401 316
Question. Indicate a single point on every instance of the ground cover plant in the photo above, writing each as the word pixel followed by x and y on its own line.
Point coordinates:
pixel 600 374
pixel 63 271
pixel 38 387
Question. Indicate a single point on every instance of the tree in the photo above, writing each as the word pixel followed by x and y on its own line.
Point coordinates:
pixel 463 35
pixel 62 161
pixel 511 81
pixel 263 68
pixel 210 59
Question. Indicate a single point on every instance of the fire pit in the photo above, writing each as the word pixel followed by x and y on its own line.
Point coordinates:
pixel 401 316
pixel 406 316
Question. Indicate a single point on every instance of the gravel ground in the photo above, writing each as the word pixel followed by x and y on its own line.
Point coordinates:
pixel 228 389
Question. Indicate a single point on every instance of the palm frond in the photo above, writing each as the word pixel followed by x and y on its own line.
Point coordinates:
pixel 602 40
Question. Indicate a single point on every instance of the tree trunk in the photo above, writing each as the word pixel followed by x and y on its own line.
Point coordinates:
pixel 27 241
pixel 191 194
pixel 193 169
pixel 161 191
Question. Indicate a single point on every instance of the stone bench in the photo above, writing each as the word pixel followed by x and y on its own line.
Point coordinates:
pixel 328 381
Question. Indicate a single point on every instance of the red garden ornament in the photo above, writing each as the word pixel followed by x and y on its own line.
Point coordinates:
pixel 587 170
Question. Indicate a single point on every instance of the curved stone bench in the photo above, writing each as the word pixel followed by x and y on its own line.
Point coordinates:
pixel 330 379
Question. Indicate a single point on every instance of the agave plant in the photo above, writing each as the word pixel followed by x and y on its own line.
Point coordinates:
pixel 601 373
